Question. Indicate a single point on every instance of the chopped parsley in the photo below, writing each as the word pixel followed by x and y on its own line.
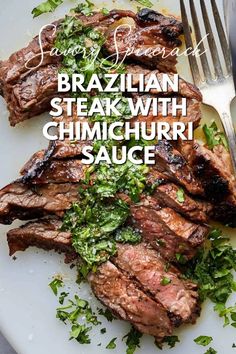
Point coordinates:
pixel 80 333
pixel 181 259
pixel 171 341
pixel 214 137
pixel 93 224
pixel 211 351
pixel 62 297
pixel 78 314
pixel 132 340
pixel 228 313
pixel 55 285
pixel 46 6
pixel 111 179
pixel 127 235
pixel 165 281
pixel 111 344
pixel 146 3
pixel 203 340
pixel 212 269
pixel 107 314
pixel 85 8
pixel 180 195
pixel 105 11
pixel 97 221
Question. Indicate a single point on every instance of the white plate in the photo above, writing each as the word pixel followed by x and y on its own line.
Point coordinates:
pixel 27 305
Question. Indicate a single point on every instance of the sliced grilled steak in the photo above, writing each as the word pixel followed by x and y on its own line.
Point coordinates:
pixel 178 297
pixel 116 291
pixel 62 171
pixel 29 92
pixel 147 41
pixel 27 202
pixel 170 162
pixel 44 234
pixel 195 210
pixel 166 230
pixel 140 274
pixel 214 169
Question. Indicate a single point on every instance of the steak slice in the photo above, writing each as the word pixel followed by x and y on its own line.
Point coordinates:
pixel 28 92
pixel 171 162
pixel 61 171
pixel 179 297
pixel 214 169
pixel 166 194
pixel 193 209
pixel 44 234
pixel 128 302
pixel 146 41
pixel 167 231
pixel 26 202
pixel 138 273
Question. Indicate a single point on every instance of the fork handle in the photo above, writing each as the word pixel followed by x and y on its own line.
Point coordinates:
pixel 227 122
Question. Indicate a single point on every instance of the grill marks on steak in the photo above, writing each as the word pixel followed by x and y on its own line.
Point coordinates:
pixel 44 234
pixel 28 92
pixel 26 202
pixel 214 170
pixel 195 210
pixel 128 302
pixel 160 34
pixel 167 231
pixel 171 163
pixel 141 263
pixel 132 288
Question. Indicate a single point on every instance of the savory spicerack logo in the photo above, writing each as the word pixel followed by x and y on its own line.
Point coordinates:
pixel 120 55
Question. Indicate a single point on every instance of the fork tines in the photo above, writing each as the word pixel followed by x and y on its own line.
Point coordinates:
pixel 217 64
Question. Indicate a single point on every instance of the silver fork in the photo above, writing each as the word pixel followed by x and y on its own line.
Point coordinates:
pixel 217 88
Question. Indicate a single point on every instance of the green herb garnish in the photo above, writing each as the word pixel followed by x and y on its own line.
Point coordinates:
pixel 62 297
pixel 171 341
pixel 214 137
pixel 180 195
pixel 107 314
pixel 47 6
pixel 85 8
pixel 181 258
pixel 80 333
pixel 55 285
pixel 127 235
pixel 78 312
pixel 212 270
pixel 132 340
pixel 203 340
pixel 211 351
pixel 111 344
pixel 165 281
pixel 146 3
